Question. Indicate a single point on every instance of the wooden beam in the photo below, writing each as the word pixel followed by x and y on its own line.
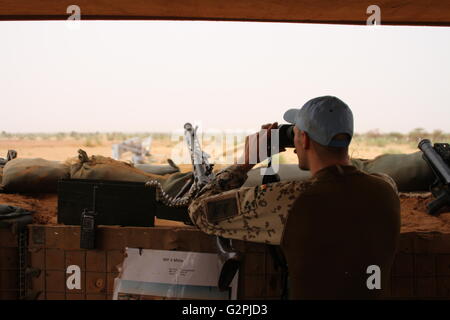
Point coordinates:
pixel 393 12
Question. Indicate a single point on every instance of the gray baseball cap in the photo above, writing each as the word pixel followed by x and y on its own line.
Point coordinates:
pixel 323 118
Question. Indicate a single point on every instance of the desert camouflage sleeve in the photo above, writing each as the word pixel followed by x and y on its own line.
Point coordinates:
pixel 256 214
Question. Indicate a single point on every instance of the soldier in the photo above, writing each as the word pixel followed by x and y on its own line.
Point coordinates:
pixel 333 228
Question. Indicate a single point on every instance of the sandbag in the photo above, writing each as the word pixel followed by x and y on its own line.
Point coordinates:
pixel 175 182
pixel 157 169
pixel 104 168
pixel 33 175
pixel 287 172
pixel 172 186
pixel 409 171
pixel 359 163
pixel 11 212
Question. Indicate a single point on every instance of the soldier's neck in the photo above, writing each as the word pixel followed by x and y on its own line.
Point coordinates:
pixel 318 164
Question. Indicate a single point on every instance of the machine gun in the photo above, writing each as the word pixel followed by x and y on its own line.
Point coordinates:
pixel 202 173
pixel 202 169
pixel 231 258
pixel 438 159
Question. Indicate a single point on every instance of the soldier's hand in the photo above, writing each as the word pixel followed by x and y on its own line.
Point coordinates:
pixel 257 141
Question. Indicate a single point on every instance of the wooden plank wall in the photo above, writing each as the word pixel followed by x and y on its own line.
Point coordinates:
pixel 421 269
pixel 9 265
pixel 393 12
pixel 54 248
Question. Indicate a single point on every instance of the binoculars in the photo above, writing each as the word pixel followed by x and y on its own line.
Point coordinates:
pixel 286 136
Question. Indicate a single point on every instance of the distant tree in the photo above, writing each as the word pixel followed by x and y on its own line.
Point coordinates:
pixel 60 136
pixel 417 134
pixel 74 135
pixel 375 133
pixel 396 136
pixel 437 135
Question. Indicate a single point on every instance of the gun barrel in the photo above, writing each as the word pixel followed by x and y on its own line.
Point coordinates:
pixel 435 160
pixel 188 126
pixel 198 157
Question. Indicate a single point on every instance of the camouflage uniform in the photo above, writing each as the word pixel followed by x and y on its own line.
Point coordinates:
pixel 256 214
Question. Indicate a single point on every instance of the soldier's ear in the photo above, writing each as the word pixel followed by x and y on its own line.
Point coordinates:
pixel 306 141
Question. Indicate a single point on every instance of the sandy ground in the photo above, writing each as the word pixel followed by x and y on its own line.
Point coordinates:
pixel 414 217
pixel 161 150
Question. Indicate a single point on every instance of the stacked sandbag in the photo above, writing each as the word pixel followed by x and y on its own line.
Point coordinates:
pixel 287 172
pixel 359 163
pixel 104 168
pixel 159 169
pixel 175 182
pixel 33 175
pixel 11 212
pixel 409 171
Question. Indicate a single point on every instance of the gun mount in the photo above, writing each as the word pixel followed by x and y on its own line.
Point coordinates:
pixel 138 147
pixel 438 158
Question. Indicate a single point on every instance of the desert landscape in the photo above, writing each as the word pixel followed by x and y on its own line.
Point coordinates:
pixel 61 146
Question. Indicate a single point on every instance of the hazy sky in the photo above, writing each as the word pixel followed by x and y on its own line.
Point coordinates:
pixel 156 75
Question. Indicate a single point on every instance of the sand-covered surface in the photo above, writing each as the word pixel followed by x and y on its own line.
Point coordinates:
pixel 44 206
pixel 414 216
